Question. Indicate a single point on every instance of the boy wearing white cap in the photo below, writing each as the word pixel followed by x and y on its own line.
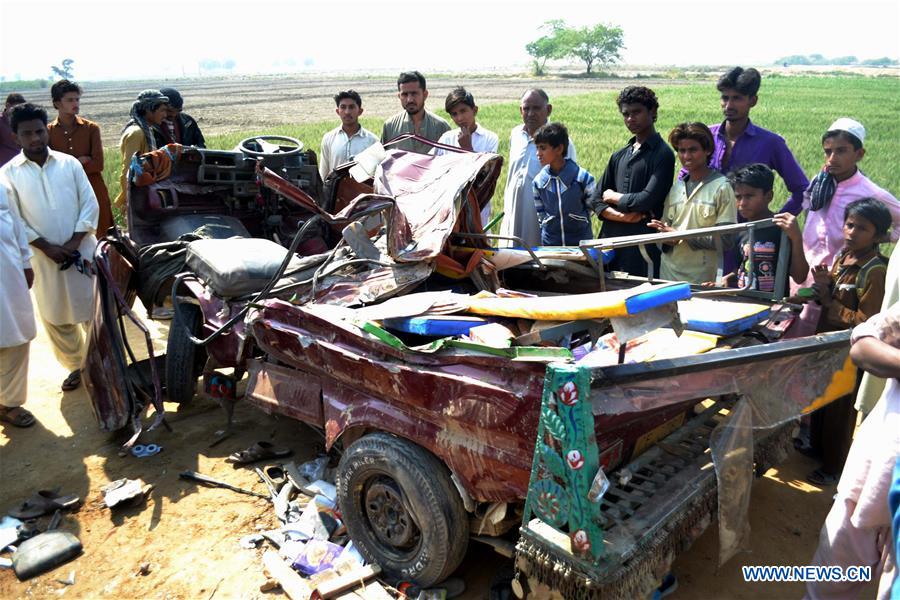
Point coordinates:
pixel 838 184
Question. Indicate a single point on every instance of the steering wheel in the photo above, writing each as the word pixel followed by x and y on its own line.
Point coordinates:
pixel 268 148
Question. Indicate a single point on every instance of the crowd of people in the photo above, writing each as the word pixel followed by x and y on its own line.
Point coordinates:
pixel 53 200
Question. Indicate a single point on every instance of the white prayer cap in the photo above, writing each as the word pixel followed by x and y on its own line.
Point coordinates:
pixel 854 128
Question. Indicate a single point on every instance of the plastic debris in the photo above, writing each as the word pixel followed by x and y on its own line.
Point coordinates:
pixel 599 486
pixel 70 580
pixel 291 549
pixel 350 551
pixel 314 469
pixel 145 450
pixel 9 531
pixel 322 487
pixel 251 541
pixel 317 556
pixel 318 520
pixel 624 477
pixel 125 492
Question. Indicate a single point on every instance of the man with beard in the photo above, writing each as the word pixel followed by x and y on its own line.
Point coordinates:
pixel 414 118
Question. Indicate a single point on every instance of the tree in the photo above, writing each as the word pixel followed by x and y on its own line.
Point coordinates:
pixel 548 47
pixel 64 71
pixel 884 61
pixel 601 43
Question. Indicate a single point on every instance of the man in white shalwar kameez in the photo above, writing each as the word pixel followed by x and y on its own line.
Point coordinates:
pixel 51 193
pixel 16 316
pixel 519 213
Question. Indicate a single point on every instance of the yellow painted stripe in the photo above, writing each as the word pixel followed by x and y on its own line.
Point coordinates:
pixel 842 383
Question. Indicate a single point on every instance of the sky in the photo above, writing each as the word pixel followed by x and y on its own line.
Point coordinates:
pixel 128 39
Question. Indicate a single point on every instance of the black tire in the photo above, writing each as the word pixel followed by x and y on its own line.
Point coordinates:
pixel 401 509
pixel 184 359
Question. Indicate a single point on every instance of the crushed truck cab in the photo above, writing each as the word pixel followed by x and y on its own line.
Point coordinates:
pixel 589 422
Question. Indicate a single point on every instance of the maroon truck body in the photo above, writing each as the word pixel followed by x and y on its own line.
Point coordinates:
pixel 478 413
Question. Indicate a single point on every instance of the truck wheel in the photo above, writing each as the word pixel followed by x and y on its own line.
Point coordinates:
pixel 184 360
pixel 401 509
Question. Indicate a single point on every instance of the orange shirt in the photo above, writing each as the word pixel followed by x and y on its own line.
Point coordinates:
pixel 84 140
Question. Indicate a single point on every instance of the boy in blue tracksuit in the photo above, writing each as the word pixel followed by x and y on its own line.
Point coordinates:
pixel 561 190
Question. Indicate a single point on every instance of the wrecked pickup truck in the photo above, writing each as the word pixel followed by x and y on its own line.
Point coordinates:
pixel 498 394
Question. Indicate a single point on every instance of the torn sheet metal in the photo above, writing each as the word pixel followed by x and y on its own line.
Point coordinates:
pixel 799 377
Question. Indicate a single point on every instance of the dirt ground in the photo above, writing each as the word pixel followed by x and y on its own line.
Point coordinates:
pixel 243 103
pixel 189 534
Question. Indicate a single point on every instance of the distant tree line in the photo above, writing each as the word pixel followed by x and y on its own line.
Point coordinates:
pixel 594 44
pixel 818 59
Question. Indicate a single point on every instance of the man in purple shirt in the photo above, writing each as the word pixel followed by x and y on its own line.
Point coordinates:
pixel 739 142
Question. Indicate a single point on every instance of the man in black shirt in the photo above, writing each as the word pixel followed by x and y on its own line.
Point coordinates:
pixel 636 182
pixel 178 127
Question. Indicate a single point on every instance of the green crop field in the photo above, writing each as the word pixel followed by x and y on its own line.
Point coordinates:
pixel 798 108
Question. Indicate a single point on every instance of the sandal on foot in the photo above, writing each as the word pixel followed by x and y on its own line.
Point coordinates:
pixel 72 381
pixel 258 451
pixel 42 503
pixel 821 478
pixel 16 416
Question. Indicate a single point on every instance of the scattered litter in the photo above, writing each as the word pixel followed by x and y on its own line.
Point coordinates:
pixel 251 541
pixel 70 580
pixel 269 585
pixel 291 549
pixel 318 520
pixel 324 488
pixel 143 569
pixel 312 540
pixel 317 556
pixel 624 477
pixel 350 551
pixel 275 536
pixel 9 531
pixel 5 563
pixel 599 486
pixel 145 450
pixel 125 492
pixel 314 469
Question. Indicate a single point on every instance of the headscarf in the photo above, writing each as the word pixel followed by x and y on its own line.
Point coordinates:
pixel 821 190
pixel 146 101
pixel 175 99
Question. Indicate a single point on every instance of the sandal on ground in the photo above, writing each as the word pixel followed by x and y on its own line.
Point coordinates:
pixel 72 381
pixel 42 503
pixel 821 478
pixel 16 416
pixel 258 451
pixel 667 586
pixel 276 475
